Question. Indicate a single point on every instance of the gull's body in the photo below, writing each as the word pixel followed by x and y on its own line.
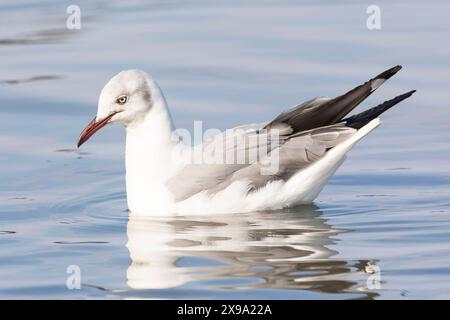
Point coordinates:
pixel 309 142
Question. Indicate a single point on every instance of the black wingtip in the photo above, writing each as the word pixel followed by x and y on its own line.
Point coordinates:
pixel 409 93
pixel 361 119
pixel 399 98
pixel 389 72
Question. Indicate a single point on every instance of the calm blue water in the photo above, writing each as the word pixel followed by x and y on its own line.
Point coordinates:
pixel 380 229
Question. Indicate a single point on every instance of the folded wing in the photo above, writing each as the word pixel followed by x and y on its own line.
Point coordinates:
pixel 303 135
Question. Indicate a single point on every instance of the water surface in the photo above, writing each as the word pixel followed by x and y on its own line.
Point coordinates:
pixel 386 213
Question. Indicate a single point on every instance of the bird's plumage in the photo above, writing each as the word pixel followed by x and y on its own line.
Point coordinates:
pixel 272 165
pixel 321 112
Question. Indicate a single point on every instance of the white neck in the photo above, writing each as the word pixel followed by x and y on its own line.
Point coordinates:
pixel 149 147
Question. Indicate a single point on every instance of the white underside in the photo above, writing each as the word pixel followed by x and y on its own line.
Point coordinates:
pixel 147 195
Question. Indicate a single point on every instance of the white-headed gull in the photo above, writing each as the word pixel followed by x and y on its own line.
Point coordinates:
pixel 268 166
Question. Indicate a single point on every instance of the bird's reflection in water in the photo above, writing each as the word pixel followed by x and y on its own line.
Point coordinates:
pixel 283 250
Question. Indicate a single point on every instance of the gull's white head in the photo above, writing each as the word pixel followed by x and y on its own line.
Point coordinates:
pixel 127 95
pixel 125 99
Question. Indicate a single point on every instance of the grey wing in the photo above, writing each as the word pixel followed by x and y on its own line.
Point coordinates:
pixel 301 149
pixel 306 133
pixel 219 157
pixel 296 153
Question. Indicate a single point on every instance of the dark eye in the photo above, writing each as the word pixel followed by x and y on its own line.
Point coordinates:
pixel 122 99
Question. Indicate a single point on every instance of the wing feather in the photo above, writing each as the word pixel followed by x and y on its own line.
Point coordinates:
pixel 294 153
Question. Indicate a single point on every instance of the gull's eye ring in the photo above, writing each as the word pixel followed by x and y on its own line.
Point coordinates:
pixel 122 99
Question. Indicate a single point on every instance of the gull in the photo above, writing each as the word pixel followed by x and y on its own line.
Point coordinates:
pixel 282 163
